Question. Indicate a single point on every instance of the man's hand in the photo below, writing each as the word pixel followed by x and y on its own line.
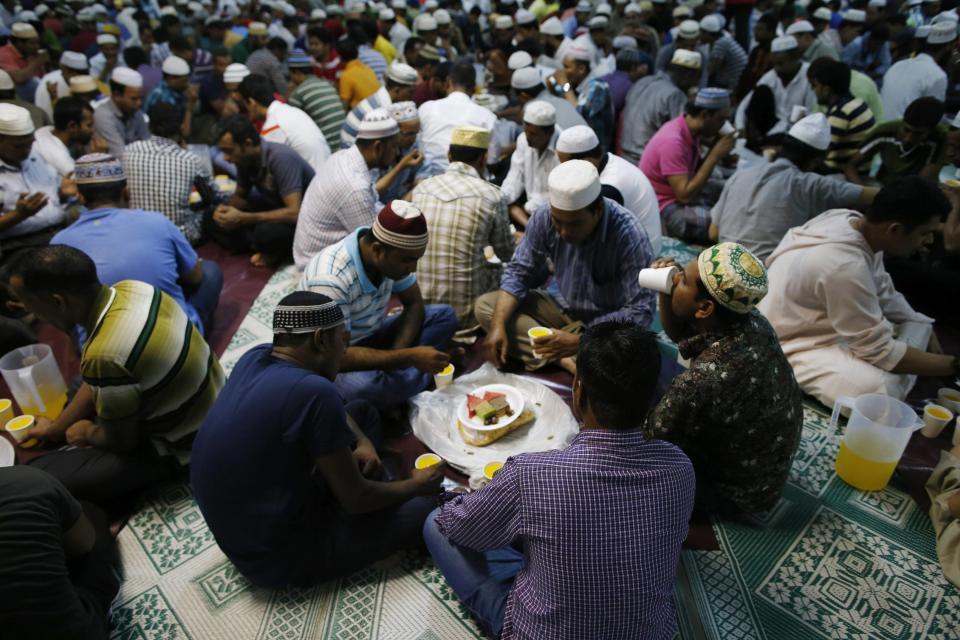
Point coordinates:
pixel 52 88
pixel 411 160
pixel 559 76
pixel 428 480
pixel 722 148
pixel 68 187
pixel 98 145
pixel 560 344
pixel 191 94
pixel 78 434
pixel 428 359
pixel 228 217
pixel 496 346
pixel 43 430
pixel 367 459
pixel 29 205
pixel 660 263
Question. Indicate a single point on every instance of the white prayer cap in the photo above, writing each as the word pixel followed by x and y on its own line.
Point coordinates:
pixel 442 16
pixel 632 10
pixel 402 73
pixel 522 16
pixel 503 22
pixel 604 9
pixel 552 27
pixel 689 30
pixel 813 130
pixel 525 78
pixel 83 84
pixel 930 1
pixel 377 124
pixel 235 72
pixel 127 77
pixel 823 13
pixel 942 33
pixel 945 16
pixel 74 60
pixel 583 7
pixel 598 22
pixel 877 4
pixel 430 5
pixel 15 121
pixel 23 30
pixel 107 38
pixel 41 9
pixel 686 58
pixel 857 16
pixel 334 10
pixel 682 11
pixel 257 29
pixel 404 111
pixel 801 26
pixel 386 14
pixel 519 60
pixel 711 23
pixel 288 9
pixel 577 139
pixel 399 4
pixel 426 22
pixel 168 11
pixel 922 32
pixel 579 52
pixel 320 14
pixel 175 66
pixel 574 185
pixel 783 43
pixel 27 16
pixel 622 42
pixel 6 82
pixel 540 113
pixel 956 121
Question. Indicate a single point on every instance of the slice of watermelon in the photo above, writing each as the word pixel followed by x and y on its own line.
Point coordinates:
pixel 490 395
pixel 472 402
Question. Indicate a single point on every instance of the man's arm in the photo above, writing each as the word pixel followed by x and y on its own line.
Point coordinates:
pixel 487 519
pixel 81 407
pixel 110 131
pixel 685 188
pixel 230 216
pixel 411 319
pixel 496 342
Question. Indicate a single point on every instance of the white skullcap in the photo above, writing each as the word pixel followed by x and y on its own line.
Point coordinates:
pixel 83 84
pixel 168 11
pixel 942 33
pixel 525 78
pixel 573 185
pixel 877 4
pixel 503 22
pixel 922 32
pixel 387 14
pixel 402 73
pixel 552 27
pixel 107 38
pixel 686 58
pixel 711 23
pixel 519 60
pixel 956 121
pixel 404 111
pixel 442 16
pixel 399 4
pixel 801 26
pixel 23 30
pixel 27 16
pixel 540 113
pixel 257 29
pixel 823 13
pixel 632 9
pixel 579 52
pixel 127 77
pixel 604 9
pixel 175 66
pixel 41 9
pixel 813 130
pixel 682 11
pixel 74 60
pixel 14 120
pixel 6 82
pixel 688 30
pixel 524 17
pixel 945 16
pixel 598 22
pixel 577 139
pixel 288 9
pixel 622 42
pixel 583 6
pixel 426 22
pixel 430 5
pixel 377 124
pixel 783 43
pixel 320 14
pixel 235 72
pixel 855 15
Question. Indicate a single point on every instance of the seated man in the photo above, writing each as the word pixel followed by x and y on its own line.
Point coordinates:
pixel 148 376
pixel 56 560
pixel 271 181
pixel 843 326
pixel 72 128
pixel 759 205
pixel 389 359
pixel 916 145
pixel 600 523
pixel 318 509
pixel 596 248
pixel 739 384
pixel 943 489
pixel 532 161
pixel 133 244
pixel 671 160
pixel 850 118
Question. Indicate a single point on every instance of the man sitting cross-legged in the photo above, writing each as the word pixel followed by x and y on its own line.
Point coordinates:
pixel 315 509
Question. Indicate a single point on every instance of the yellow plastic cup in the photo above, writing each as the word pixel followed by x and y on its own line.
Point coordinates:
pixel 491 468
pixel 538 332
pixel 20 427
pixel 445 377
pixel 6 410
pixel 427 460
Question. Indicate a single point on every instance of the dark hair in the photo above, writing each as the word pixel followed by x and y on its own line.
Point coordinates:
pixel 69 109
pixel 725 315
pixel 531 46
pixel 832 73
pixel 879 32
pixel 220 52
pixel 135 56
pixel 768 20
pixel 924 112
pixel 53 268
pixel 347 48
pixel 164 120
pixel 370 29
pixel 320 34
pixel 692 109
pixel 618 366
pixel 464 75
pixel 442 72
pixel 762 110
pixel 102 192
pixel 797 152
pixel 276 44
pixel 240 129
pixel 410 45
pixel 257 87
pixel 357 33
pixel 461 153
pixel 911 201
pixel 180 43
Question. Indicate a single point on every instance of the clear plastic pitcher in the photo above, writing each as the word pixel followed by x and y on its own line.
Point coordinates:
pixel 877 432
pixel 34 378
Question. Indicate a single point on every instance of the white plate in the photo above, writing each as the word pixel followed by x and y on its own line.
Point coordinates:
pixel 7 455
pixel 514 399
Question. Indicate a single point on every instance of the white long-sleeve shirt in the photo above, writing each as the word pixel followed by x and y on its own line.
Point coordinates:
pixel 529 171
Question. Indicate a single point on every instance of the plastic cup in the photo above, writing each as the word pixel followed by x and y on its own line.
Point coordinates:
pixel 6 410
pixel 491 468
pixel 950 398
pixel 538 332
pixel 445 377
pixel 727 129
pixel 427 460
pixel 798 113
pixel 935 418
pixel 20 427
pixel 660 279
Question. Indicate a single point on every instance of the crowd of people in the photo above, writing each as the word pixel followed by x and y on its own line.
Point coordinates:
pixel 439 172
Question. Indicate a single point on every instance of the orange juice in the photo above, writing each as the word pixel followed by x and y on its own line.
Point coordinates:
pixel 938 413
pixel 491 469
pixel 6 410
pixel 427 460
pixel 447 371
pixel 863 472
pixel 53 399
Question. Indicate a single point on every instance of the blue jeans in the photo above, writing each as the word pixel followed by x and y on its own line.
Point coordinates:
pixel 481 579
pixel 205 296
pixel 387 389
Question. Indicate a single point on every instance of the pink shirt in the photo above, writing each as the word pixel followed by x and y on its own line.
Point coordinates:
pixel 672 151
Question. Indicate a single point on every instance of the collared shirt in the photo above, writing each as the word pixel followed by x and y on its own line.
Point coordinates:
pixel 601 523
pixel 385 48
pixel 357 81
pixel 438 119
pixel 464 214
pixel 399 34
pixel 160 176
pixel 42 97
pixel 291 126
pixel 52 149
pixel 116 129
pixel 619 83
pixel 163 94
pixel 897 160
pixel 593 282
pixel 637 194
pixel 858 56
pixel 797 92
pixel 266 64
pixel 909 79
pixel 730 59
pixel 758 205
pixel 338 273
pixel 344 199
pixel 737 412
pixel 850 121
pixel 351 124
pixel 672 151
pixel 651 102
pixel 529 170
pixel 282 172
pixel 11 59
pixel 159 53
pixel 373 59
pixel 319 99
pixel 596 106
pixel 33 175
pixel 99 61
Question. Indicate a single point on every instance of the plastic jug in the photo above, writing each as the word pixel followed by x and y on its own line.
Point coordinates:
pixel 877 432
pixel 34 378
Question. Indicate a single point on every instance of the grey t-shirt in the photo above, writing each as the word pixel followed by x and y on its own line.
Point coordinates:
pixel 282 172
pixel 651 102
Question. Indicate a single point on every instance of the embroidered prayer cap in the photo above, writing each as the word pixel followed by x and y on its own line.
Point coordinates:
pixel 519 60
pixel 942 33
pixel 127 77
pixel 386 15
pixel 622 42
pixel 402 73
pixel 98 168
pixel 401 224
pixel 377 124
pixel 580 53
pixel 540 113
pixel 235 73
pixel 503 22
pixel 14 120
pixel 23 30
pixel 175 66
pixel 813 130
pixel 598 22
pixel 524 17
pixel 577 139
pixel 733 276
pixel 428 52
pixel 306 312
pixel 82 84
pixel 6 82
pixel 573 185
pixel 922 32
pixel 299 59
pixel 470 136
pixel 686 59
pixel 257 29
pixel 800 26
pixel 74 60
pixel 442 16
pixel 823 13
pixel 712 98
pixel 682 11
pixel 425 22
pixel 404 111
pixel 783 44
pixel 552 27
pixel 711 23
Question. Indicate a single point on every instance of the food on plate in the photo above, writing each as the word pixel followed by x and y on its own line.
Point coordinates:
pixel 490 408
pixel 479 438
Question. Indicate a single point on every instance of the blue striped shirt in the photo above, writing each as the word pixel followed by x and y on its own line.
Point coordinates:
pixel 593 282
pixel 373 59
pixel 337 272
pixel 351 124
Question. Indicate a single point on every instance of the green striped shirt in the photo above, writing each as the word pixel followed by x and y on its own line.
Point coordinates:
pixel 322 103
pixel 147 363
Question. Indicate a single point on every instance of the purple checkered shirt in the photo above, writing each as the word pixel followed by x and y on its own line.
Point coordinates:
pixel 601 524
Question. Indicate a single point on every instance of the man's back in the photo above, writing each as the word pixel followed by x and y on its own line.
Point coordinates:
pixel 651 102
pixel 638 195
pixel 438 118
pixel 319 99
pixel 908 80
pixel 293 127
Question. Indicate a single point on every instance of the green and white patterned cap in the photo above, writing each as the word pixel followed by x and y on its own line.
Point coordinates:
pixel 733 276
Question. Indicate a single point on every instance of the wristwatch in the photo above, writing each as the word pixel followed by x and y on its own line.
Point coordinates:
pixel 563 88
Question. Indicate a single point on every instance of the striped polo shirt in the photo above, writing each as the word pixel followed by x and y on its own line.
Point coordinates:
pixel 850 122
pixel 337 272
pixel 348 135
pixel 319 99
pixel 146 363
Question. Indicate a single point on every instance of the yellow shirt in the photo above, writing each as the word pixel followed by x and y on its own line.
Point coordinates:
pixel 357 82
pixel 383 45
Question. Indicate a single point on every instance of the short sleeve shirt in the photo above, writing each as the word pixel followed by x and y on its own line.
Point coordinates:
pixel 673 151
pixel 283 172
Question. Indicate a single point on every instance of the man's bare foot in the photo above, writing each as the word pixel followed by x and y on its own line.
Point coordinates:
pixel 569 365
pixel 264 260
